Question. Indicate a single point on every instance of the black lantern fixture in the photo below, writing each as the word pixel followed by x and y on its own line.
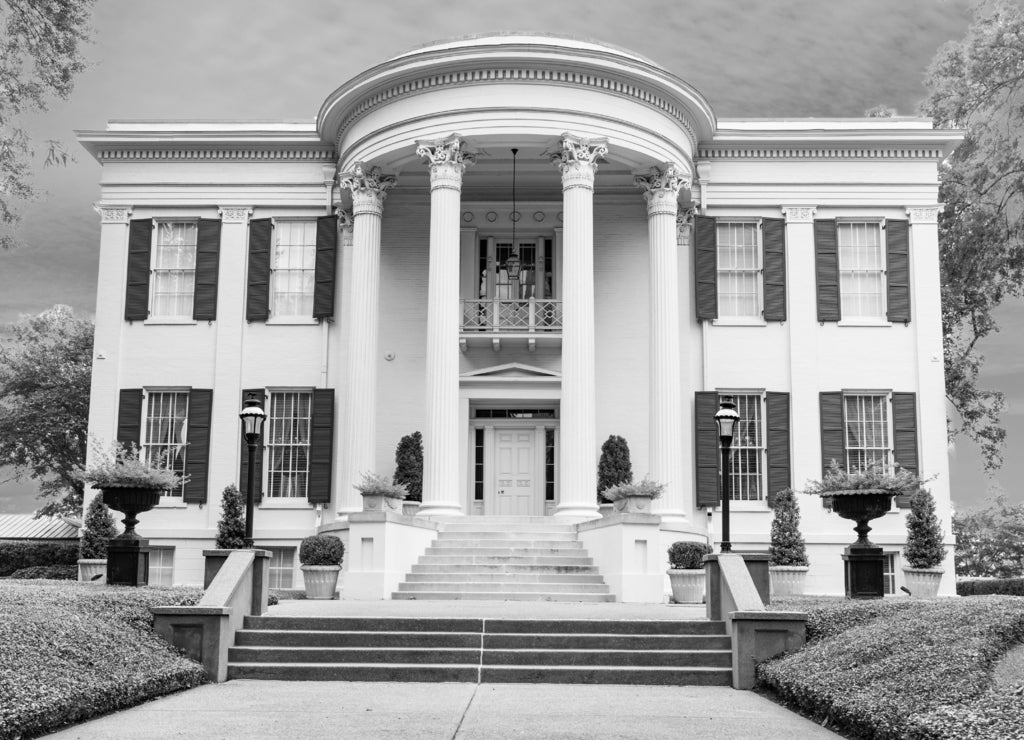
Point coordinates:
pixel 513 264
pixel 252 417
pixel 726 419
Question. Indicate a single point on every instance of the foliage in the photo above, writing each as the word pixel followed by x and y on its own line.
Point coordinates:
pixel 894 676
pixel 828 616
pixel 117 466
pixel 99 528
pixel 321 549
pixel 924 532
pixel 40 55
pixel 73 651
pixel 50 572
pixel 976 84
pixel 990 586
pixel 45 372
pixel 231 527
pixel 374 484
pixel 409 465
pixel 787 544
pixel 688 555
pixel 646 487
pixel 17 555
pixel 873 476
pixel 990 540
pixel 614 467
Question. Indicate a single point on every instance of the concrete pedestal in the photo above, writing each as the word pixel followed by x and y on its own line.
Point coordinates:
pixel 128 562
pixel 862 568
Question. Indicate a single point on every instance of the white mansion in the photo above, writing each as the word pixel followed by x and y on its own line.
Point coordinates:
pixel 520 245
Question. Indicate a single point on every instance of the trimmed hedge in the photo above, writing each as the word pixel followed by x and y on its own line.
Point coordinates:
pixel 828 616
pixel 17 555
pixel 906 669
pixel 52 572
pixel 72 651
pixel 989 586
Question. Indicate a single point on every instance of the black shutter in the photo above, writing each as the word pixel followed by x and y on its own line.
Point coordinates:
pixel 204 304
pixel 708 454
pixel 326 257
pixel 904 437
pixel 257 301
pixel 243 474
pixel 826 269
pixel 321 446
pixel 129 416
pixel 773 240
pixel 833 435
pixel 136 297
pixel 897 270
pixel 777 444
pixel 197 458
pixel 706 274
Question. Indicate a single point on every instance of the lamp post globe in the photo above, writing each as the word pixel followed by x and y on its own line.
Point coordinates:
pixel 726 419
pixel 252 417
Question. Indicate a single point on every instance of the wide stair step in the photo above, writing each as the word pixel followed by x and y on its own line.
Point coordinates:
pixel 482 650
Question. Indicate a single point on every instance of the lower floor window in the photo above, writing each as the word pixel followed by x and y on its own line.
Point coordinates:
pixel 745 458
pixel 288 444
pixel 282 566
pixel 161 566
pixel 866 420
pixel 166 428
pixel 889 573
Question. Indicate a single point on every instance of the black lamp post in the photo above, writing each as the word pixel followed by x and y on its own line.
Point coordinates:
pixel 252 417
pixel 726 419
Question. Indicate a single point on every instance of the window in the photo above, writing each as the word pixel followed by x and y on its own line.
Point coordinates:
pixel 288 444
pixel 889 573
pixel 174 269
pixel 166 431
pixel 293 272
pixel 478 464
pixel 861 270
pixel 549 464
pixel 282 567
pixel 739 270
pixel 161 566
pixel 746 478
pixel 866 423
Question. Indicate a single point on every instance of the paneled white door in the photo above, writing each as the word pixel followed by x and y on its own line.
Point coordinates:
pixel 515 472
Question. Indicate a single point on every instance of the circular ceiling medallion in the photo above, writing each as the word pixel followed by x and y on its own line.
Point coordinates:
pixel 492 216
pixel 559 216
pixel 515 216
pixel 538 216
pixel 467 216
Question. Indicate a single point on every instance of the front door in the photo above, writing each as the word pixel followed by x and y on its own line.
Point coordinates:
pixel 514 467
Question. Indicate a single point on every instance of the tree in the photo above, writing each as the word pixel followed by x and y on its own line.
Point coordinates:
pixel 976 84
pixel 614 466
pixel 787 544
pixel 100 527
pixel 45 370
pixel 409 465
pixel 231 527
pixel 990 540
pixel 924 532
pixel 40 55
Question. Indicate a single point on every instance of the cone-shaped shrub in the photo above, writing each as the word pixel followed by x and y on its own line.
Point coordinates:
pixel 614 466
pixel 231 527
pixel 409 465
pixel 787 544
pixel 99 528
pixel 924 532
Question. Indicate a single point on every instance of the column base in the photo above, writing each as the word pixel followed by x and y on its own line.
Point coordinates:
pixel 669 516
pixel 439 508
pixel 579 511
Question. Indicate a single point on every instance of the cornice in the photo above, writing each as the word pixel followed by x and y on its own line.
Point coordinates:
pixel 854 143
pixel 189 145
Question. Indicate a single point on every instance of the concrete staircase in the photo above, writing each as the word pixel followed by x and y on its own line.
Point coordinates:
pixel 595 651
pixel 505 559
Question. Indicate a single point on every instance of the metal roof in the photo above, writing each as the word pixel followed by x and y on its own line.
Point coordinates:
pixel 24 527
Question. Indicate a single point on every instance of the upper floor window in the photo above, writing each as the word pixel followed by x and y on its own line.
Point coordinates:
pixel 861 270
pixel 288 439
pixel 166 431
pixel 174 269
pixel 746 469
pixel 866 421
pixel 293 271
pixel 739 270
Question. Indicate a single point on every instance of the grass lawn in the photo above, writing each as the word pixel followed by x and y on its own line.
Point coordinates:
pixel 905 669
pixel 70 650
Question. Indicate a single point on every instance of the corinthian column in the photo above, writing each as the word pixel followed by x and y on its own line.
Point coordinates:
pixel 359 436
pixel 661 189
pixel 447 159
pixel 578 477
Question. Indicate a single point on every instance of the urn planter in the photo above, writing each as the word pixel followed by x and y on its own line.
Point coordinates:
pixel 687 585
pixel 863 561
pixel 633 505
pixel 128 554
pixel 92 570
pixel 380 502
pixel 321 581
pixel 788 580
pixel 923 583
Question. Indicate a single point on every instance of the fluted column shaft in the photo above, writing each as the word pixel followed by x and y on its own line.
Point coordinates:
pixel 578 459
pixel 447 162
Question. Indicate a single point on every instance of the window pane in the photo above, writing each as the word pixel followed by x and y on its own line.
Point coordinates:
pixel 282 564
pixel 739 270
pixel 173 270
pixel 867 430
pixel 747 451
pixel 293 272
pixel 861 270
pixel 166 431
pixel 288 444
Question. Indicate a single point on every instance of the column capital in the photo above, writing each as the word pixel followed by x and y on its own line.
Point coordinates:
pixel 799 214
pixel 684 226
pixel 924 214
pixel 112 214
pixel 369 187
pixel 234 214
pixel 345 220
pixel 661 186
pixel 577 160
pixel 448 159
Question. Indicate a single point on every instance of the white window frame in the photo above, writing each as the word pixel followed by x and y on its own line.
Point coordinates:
pixel 146 445
pixel 886 450
pixel 890 584
pixel 847 317
pixel 279 569
pixel 268 445
pixel 155 271
pixel 276 316
pixel 161 569
pixel 757 316
pixel 760 501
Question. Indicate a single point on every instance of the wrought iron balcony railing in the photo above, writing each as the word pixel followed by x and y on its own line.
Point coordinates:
pixel 505 316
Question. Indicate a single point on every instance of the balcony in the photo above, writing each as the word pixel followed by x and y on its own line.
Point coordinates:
pixel 495 319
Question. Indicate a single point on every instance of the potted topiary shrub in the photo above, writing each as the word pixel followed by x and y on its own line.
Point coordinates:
pixel 924 551
pixel 686 571
pixel 634 498
pixel 321 556
pixel 99 528
pixel 381 495
pixel 409 470
pixel 231 527
pixel 614 468
pixel 787 552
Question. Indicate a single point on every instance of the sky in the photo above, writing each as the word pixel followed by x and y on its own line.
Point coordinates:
pixel 260 59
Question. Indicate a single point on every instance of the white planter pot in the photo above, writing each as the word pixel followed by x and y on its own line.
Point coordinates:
pixel 409 508
pixel 377 502
pixel 788 580
pixel 321 581
pixel 606 509
pixel 923 583
pixel 687 585
pixel 89 568
pixel 633 505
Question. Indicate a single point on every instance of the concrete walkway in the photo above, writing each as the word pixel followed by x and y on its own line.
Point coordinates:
pixel 265 710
